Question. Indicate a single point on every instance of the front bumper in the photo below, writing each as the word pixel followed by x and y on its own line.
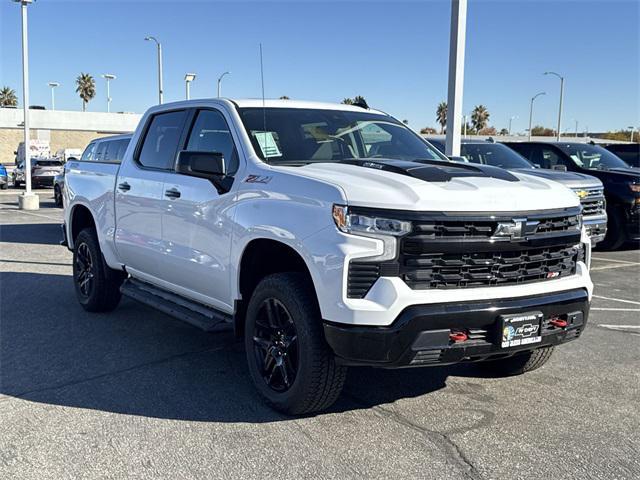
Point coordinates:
pixel 596 226
pixel 420 335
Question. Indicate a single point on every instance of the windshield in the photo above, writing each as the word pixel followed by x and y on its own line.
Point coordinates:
pixel 493 154
pixel 593 157
pixel 296 136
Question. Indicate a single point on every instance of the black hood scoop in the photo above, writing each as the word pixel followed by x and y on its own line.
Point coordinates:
pixel 434 170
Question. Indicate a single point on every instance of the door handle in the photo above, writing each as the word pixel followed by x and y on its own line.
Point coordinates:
pixel 172 193
pixel 124 186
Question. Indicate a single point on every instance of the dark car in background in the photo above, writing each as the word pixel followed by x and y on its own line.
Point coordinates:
pixel 621 181
pixel 629 152
pixel 587 187
pixel 4 178
pixel 43 172
pixel 106 149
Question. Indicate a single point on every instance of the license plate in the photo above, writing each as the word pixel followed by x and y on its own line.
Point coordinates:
pixel 520 329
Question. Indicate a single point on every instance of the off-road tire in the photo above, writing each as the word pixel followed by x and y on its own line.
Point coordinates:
pixel 318 380
pixel 57 196
pixel 519 363
pixel 104 294
pixel 615 236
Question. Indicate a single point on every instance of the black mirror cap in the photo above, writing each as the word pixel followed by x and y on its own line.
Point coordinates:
pixel 72 159
pixel 201 164
pixel 458 159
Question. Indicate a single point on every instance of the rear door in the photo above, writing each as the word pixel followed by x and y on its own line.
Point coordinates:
pixel 139 195
pixel 197 220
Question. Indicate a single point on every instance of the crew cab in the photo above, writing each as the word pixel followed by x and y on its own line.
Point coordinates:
pixel 621 182
pixel 328 236
pixel 589 189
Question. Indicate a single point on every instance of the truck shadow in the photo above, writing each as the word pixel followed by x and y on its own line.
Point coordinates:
pixel 137 361
pixel 31 233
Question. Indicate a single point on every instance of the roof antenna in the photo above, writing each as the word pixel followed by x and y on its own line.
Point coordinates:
pixel 264 109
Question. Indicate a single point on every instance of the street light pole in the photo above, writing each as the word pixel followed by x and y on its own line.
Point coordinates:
pixel 53 85
pixel 108 77
pixel 188 78
pixel 531 111
pixel 28 200
pixel 159 45
pixel 561 98
pixel 632 128
pixel 220 82
pixel 511 119
pixel 456 76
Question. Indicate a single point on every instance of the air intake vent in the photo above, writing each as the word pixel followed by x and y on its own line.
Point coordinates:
pixel 362 276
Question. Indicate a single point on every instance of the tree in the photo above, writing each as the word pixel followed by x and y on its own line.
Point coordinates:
pixel 86 88
pixel 441 115
pixel 488 131
pixel 406 122
pixel 347 101
pixel 480 117
pixel 540 131
pixel 8 97
pixel 428 131
pixel 352 101
pixel 284 97
pixel 504 131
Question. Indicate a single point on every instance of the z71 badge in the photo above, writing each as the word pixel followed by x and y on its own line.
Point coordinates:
pixel 257 179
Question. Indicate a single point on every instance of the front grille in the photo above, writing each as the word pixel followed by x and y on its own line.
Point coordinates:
pixel 592 207
pixel 483 269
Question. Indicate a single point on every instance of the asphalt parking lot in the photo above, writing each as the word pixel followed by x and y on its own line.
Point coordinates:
pixel 136 394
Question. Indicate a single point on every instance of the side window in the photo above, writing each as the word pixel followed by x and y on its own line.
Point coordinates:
pixel 122 148
pixel 524 150
pixel 550 158
pixel 100 151
pixel 87 155
pixel 161 140
pixel 111 153
pixel 210 133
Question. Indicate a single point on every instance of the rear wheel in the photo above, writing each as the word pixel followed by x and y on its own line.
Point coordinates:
pixel 290 363
pixel 97 285
pixel 519 363
pixel 57 196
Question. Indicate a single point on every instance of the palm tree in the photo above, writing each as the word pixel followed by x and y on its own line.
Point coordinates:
pixel 480 117
pixel 347 101
pixel 8 97
pixel 284 97
pixel 441 115
pixel 86 88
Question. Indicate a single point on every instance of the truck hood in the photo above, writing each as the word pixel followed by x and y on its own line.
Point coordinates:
pixel 439 186
pixel 569 179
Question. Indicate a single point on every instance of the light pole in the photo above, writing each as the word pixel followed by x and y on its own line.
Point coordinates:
pixel 457 40
pixel 531 111
pixel 220 82
pixel 159 45
pixel 188 78
pixel 561 95
pixel 28 200
pixel 53 85
pixel 632 128
pixel 576 128
pixel 511 119
pixel 108 77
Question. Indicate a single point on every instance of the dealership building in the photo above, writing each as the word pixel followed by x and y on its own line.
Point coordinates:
pixel 62 129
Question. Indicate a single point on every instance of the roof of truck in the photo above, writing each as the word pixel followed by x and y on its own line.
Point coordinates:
pixel 277 103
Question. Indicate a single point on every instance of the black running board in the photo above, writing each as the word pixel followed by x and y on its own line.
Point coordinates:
pixel 176 306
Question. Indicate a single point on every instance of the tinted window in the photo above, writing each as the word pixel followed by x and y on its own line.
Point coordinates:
pixel 493 154
pixel 87 155
pixel 111 153
pixel 592 157
pixel 122 148
pixel 100 151
pixel 210 133
pixel 296 136
pixel 161 140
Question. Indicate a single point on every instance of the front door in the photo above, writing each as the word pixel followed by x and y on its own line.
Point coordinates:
pixel 197 221
pixel 140 196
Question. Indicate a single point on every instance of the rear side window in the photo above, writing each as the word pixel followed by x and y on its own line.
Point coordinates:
pixel 111 153
pixel 211 133
pixel 122 148
pixel 100 151
pixel 161 140
pixel 89 152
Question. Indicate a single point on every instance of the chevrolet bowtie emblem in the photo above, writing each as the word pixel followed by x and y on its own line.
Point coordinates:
pixel 518 228
pixel 582 193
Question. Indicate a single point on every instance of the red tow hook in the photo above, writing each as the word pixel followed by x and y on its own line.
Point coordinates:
pixel 558 322
pixel 458 337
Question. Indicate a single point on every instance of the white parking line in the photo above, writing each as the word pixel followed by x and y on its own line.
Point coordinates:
pixel 607 267
pixel 39 215
pixel 617 309
pixel 614 261
pixel 617 300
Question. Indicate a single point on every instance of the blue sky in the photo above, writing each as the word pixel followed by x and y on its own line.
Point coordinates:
pixel 395 53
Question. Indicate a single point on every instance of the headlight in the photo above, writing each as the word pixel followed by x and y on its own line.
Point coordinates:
pixel 635 187
pixel 359 224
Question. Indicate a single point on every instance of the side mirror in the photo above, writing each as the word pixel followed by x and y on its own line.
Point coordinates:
pixel 537 165
pixel 209 165
pixel 560 168
pixel 458 159
pixel 72 159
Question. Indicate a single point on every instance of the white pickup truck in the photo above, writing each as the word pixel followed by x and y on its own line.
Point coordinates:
pixel 328 236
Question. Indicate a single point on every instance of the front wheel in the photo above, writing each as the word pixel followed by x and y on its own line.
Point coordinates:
pixel 290 363
pixel 57 196
pixel 97 285
pixel 614 237
pixel 519 363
